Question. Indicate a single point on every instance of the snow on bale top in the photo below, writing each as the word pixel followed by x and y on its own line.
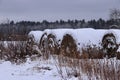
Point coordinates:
pixel 84 36
pixel 37 35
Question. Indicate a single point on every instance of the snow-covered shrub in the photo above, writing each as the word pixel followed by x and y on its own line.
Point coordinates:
pixel 30 46
pixel 91 52
pixel 15 51
pixel 68 46
pixel 109 44
pixel 2 48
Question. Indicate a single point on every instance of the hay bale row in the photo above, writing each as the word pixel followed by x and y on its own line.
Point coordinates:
pixel 68 47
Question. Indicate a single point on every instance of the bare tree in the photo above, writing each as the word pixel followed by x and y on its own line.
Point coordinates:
pixel 115 14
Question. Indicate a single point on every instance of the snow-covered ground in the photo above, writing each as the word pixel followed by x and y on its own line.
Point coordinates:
pixel 31 70
pixel 40 69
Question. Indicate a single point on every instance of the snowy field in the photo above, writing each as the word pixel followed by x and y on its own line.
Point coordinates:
pixel 40 69
pixel 54 69
pixel 31 70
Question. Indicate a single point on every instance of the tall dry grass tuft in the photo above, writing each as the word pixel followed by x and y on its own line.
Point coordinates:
pixel 90 69
pixel 90 52
pixel 17 51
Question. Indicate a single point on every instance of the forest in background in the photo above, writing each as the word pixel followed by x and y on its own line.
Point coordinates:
pixel 10 27
pixel 24 27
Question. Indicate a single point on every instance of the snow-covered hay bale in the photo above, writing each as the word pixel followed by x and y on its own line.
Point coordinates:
pixel 48 42
pixel 37 35
pixel 53 44
pixel 82 38
pixel 43 42
pixel 68 46
pixel 109 44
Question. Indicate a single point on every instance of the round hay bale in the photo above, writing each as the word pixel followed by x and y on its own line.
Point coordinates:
pixel 48 45
pixel 53 44
pixel 68 46
pixel 43 46
pixel 109 44
pixel 43 42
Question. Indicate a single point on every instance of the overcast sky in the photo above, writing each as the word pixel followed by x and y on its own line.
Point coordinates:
pixel 51 10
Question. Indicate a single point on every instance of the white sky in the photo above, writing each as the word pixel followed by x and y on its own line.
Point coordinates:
pixel 51 10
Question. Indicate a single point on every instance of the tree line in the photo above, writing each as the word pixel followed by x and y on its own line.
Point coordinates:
pixel 24 27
